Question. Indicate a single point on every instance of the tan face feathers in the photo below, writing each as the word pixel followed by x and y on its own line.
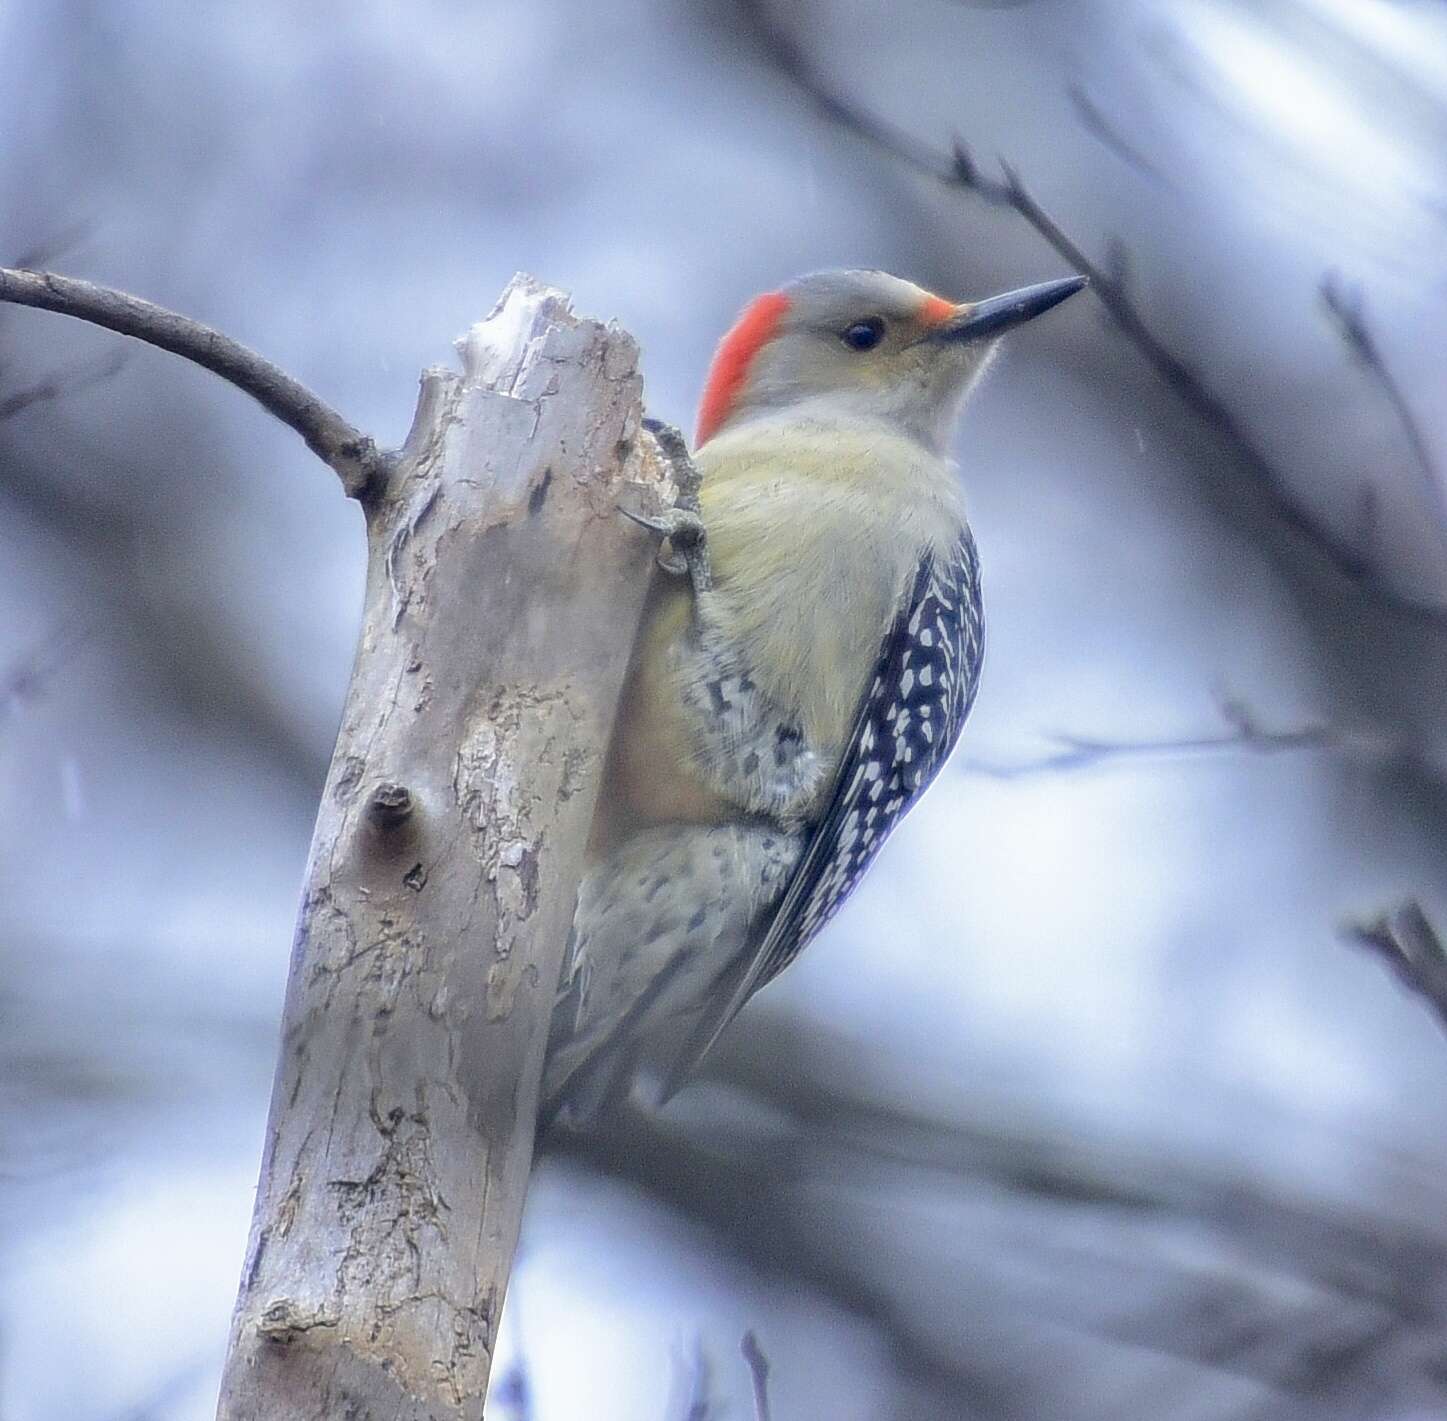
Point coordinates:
pixel 862 345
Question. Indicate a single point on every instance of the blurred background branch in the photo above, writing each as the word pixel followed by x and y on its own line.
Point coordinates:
pixel 1347 308
pixel 1406 941
pixel 790 1163
pixel 1079 1110
pixel 758 1365
pixel 1111 284
pixel 1243 734
pixel 63 384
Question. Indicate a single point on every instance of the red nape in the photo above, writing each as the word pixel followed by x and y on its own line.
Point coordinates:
pixel 733 357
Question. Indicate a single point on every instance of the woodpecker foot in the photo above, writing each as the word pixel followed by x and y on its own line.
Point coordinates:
pixel 681 525
pixel 688 543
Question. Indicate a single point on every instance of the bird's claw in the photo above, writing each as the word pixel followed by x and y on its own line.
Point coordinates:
pixel 684 532
pixel 680 526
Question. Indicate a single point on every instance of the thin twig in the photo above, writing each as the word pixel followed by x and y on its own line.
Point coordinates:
pixel 797 1106
pixel 959 170
pixel 63 384
pixel 1406 941
pixel 1078 752
pixel 758 1365
pixel 699 1405
pixel 353 455
pixel 1348 312
pixel 1094 121
pixel 1243 733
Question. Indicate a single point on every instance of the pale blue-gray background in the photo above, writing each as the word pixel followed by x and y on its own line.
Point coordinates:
pixel 1133 968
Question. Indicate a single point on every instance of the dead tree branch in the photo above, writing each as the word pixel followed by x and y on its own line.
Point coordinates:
pixel 959 171
pixel 1406 941
pixel 355 458
pixel 503 594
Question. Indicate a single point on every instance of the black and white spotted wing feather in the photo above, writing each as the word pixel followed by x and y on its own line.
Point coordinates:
pixel 908 722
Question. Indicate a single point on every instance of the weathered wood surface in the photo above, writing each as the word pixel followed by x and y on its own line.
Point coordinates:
pixel 503 593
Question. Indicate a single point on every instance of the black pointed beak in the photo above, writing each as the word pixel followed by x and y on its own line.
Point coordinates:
pixel 1014 308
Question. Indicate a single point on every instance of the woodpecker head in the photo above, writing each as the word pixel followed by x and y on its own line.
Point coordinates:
pixel 865 344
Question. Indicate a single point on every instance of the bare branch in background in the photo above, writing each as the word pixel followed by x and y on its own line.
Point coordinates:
pixel 1347 309
pixel 698 1402
pixel 958 170
pixel 63 384
pixel 1320 1305
pixel 1243 733
pixel 758 1365
pixel 187 650
pixel 752 1199
pixel 1094 121
pixel 1406 941
pixel 354 456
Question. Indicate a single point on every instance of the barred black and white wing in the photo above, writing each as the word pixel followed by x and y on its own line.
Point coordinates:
pixel 908 722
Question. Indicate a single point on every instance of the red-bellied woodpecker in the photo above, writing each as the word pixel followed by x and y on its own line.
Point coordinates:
pixel 786 707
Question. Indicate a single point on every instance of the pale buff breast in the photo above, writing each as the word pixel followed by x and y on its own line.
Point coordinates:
pixel 814 534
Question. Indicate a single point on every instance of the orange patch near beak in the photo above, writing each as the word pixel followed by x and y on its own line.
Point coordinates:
pixel 935 310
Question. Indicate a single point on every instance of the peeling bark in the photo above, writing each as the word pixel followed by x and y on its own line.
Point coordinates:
pixel 503 594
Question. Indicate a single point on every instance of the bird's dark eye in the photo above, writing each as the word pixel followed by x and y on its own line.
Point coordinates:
pixel 864 335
